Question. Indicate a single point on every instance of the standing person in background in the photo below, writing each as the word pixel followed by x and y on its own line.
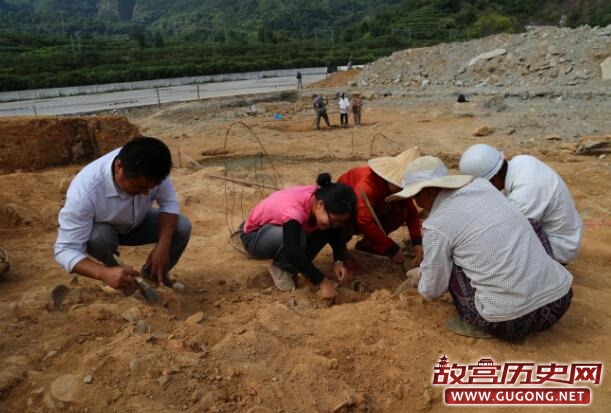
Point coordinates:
pixel 344 104
pixel 299 84
pixel 536 189
pixel 357 104
pixel 292 225
pixel 320 106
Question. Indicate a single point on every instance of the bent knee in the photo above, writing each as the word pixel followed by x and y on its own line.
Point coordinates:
pixel 102 234
pixel 183 227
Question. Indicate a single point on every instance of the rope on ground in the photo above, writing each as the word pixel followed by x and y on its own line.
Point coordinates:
pixel 234 198
pixel 373 140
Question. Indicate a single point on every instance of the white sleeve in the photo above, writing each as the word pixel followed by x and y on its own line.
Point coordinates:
pixel 436 267
pixel 166 198
pixel 75 224
pixel 532 200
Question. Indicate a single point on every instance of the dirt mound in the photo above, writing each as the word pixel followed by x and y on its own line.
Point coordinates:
pixel 338 79
pixel 546 57
pixel 33 143
pixel 231 342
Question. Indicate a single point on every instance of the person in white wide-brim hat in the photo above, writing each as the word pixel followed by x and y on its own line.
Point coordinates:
pixel 484 251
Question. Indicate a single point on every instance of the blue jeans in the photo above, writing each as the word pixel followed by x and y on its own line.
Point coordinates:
pixel 104 239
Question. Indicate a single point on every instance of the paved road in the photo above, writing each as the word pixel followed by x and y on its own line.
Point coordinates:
pixel 145 97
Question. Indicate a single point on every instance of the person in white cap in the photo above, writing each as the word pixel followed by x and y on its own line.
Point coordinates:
pixel 485 252
pixel 536 189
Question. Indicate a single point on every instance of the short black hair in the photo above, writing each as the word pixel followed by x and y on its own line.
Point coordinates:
pixel 146 157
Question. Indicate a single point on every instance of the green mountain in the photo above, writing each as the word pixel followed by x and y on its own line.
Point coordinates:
pixel 244 20
pixel 50 43
pixel 211 19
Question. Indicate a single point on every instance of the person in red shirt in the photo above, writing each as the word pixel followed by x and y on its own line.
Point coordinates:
pixel 375 217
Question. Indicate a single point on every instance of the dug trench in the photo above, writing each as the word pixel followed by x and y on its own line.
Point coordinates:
pixel 237 344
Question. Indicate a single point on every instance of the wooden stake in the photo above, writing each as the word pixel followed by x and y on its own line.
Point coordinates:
pixel 238 181
pixel 373 214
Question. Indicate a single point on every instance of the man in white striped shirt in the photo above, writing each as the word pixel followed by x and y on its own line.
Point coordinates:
pixel 485 252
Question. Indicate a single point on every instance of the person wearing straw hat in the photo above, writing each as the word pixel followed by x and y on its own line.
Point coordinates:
pixel 484 251
pixel 376 218
pixel 536 189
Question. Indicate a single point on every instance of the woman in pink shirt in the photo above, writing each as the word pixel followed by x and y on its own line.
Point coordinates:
pixel 292 225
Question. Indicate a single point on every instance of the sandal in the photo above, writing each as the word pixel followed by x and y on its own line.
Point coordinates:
pixel 461 328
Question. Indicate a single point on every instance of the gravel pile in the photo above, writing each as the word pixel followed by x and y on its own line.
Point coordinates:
pixel 543 58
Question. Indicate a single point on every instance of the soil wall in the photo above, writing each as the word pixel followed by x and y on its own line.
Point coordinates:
pixel 34 143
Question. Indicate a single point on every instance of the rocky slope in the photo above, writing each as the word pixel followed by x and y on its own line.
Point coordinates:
pixel 541 58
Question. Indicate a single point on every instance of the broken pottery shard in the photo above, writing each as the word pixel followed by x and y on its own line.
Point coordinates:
pixel 65 388
pixel 195 318
pixel 132 315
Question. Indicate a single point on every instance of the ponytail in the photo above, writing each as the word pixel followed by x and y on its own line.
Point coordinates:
pixel 338 198
pixel 323 179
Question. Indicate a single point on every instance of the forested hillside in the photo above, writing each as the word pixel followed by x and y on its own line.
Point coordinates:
pixel 210 20
pixel 245 19
pixel 47 43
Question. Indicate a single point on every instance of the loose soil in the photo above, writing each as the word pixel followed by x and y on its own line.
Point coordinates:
pixel 233 343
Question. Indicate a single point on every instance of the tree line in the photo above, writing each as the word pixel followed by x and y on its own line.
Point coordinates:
pixel 280 40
